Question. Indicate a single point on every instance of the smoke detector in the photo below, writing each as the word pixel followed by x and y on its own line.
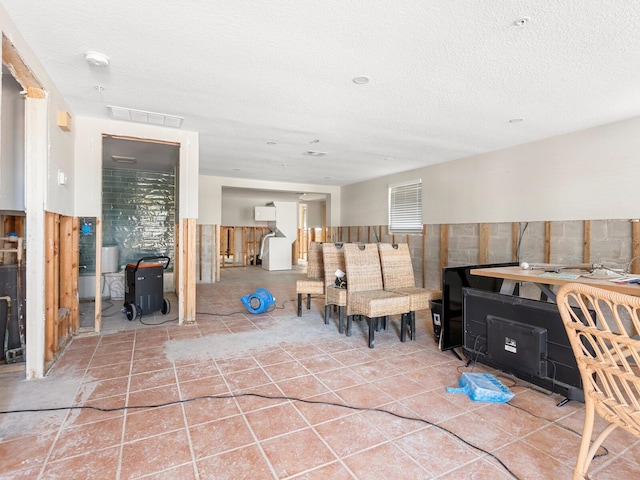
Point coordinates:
pixel 96 59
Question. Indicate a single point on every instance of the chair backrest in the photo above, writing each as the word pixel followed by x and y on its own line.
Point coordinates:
pixel 397 269
pixel 607 349
pixel 315 264
pixel 333 257
pixel 362 263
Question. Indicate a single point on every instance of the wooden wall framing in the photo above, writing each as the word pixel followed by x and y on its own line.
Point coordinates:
pixel 61 282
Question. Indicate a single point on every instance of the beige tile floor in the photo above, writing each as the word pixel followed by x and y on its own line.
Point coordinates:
pixel 223 382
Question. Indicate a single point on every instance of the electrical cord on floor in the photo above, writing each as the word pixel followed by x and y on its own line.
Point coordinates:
pixel 156 324
pixel 268 397
pixel 555 422
pixel 239 312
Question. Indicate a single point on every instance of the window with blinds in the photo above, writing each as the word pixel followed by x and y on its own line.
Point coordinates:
pixel 405 207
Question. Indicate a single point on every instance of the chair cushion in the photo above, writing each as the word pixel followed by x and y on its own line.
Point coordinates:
pixel 377 303
pixel 310 286
pixel 335 296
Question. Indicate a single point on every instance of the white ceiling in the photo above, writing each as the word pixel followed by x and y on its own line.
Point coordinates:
pixel 445 77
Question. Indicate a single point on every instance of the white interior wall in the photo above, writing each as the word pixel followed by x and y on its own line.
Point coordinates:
pixel 314 214
pixel 238 205
pixel 12 143
pixel 88 170
pixel 590 174
pixel 211 196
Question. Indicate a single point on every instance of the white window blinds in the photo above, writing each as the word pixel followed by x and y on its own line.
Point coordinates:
pixel 405 207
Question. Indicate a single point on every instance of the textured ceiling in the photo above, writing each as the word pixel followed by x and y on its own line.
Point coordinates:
pixel 445 77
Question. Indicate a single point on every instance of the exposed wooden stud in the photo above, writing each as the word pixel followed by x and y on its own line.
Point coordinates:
pixel 586 248
pixel 75 259
pixel 635 246
pixel 68 271
pixel 200 252
pixel 547 242
pixel 349 234
pixel 176 259
pixel 444 248
pixel 424 255
pixel 515 233
pixel 215 249
pixel 50 318
pixel 483 247
pixel 19 70
pixel 98 290
pixel 188 278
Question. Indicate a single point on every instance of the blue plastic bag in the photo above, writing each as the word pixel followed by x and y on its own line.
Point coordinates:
pixel 482 387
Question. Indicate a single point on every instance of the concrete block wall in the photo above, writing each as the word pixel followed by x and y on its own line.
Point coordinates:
pixel 610 243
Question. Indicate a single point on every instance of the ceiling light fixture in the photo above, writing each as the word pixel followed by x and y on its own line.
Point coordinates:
pixel 121 159
pixel 96 59
pixel 521 22
pixel 361 80
pixel 142 116
pixel 271 142
pixel 516 120
pixel 314 153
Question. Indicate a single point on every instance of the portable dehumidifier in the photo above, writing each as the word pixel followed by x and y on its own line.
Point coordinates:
pixel 144 287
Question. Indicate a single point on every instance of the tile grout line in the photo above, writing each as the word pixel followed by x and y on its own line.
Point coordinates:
pixel 186 424
pixel 126 404
pixel 62 424
pixel 244 417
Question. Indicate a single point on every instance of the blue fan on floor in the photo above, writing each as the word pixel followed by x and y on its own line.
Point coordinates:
pixel 259 301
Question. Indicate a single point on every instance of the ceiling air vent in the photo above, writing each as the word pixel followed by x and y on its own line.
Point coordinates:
pixel 142 116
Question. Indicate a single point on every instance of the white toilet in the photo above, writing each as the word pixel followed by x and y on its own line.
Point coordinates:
pixel 113 280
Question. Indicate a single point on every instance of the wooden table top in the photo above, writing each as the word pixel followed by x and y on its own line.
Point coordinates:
pixel 539 276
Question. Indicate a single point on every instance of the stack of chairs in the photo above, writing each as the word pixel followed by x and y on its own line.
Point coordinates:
pixel 315 281
pixel 397 274
pixel 365 294
pixel 333 258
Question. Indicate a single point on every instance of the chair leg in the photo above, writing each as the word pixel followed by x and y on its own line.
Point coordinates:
pixel 349 322
pixel 372 331
pixel 413 326
pixel 308 301
pixel 340 320
pixel 403 327
pixel 299 304
pixel 327 314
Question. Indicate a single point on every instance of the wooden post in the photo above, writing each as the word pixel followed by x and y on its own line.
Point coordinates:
pixel 68 270
pixel 444 248
pixel 424 255
pixel 215 250
pixel 483 248
pixel 51 330
pixel 586 248
pixel 200 252
pixel 635 246
pixel 515 232
pixel 98 290
pixel 547 242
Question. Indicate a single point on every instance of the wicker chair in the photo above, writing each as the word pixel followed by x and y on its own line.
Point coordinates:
pixel 365 295
pixel 333 258
pixel 608 354
pixel 397 277
pixel 314 283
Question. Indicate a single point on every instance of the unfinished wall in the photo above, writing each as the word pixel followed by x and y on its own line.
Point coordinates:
pixel 610 242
